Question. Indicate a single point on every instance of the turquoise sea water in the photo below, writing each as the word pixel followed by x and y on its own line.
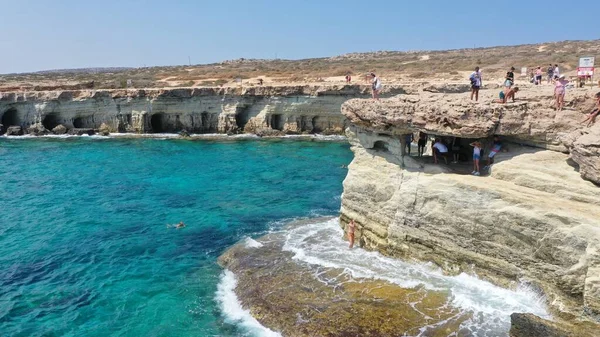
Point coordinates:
pixel 84 246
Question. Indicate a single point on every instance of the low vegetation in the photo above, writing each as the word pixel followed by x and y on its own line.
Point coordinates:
pixel 390 65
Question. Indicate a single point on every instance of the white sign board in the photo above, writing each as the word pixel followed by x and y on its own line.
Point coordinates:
pixel 524 71
pixel 586 62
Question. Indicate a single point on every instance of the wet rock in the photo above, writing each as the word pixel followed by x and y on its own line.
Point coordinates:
pixel 104 129
pixel 297 299
pixel 529 325
pixel 184 134
pixel 59 130
pixel 82 131
pixel 37 130
pixel 14 131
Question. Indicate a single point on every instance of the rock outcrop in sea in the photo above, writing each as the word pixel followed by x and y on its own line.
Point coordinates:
pixel 534 219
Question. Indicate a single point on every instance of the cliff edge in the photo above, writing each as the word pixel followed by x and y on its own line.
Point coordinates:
pixel 532 220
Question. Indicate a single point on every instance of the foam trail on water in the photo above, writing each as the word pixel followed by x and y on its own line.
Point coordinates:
pixel 322 244
pixel 233 311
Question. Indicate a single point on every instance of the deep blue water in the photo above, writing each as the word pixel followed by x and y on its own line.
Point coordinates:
pixel 84 246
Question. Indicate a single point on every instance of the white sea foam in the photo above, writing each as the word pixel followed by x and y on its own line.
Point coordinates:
pixel 233 311
pixel 251 243
pixel 322 244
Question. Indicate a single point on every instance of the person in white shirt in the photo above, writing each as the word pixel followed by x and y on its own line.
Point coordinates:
pixel 556 71
pixel 375 85
pixel 439 149
pixel 475 83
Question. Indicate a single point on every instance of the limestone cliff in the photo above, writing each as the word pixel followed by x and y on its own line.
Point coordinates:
pixel 532 219
pixel 283 109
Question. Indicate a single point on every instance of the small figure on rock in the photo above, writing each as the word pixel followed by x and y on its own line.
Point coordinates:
pixel 496 147
pixel 476 157
pixel 348 78
pixel 538 76
pixel 408 139
pixel 510 78
pixel 422 143
pixel 550 73
pixel 375 85
pixel 350 230
pixel 591 117
pixel 475 83
pixel 260 81
pixel 559 91
pixel 505 96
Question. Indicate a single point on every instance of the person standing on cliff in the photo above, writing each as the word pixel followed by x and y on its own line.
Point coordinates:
pixel 475 83
pixel 559 91
pixel 422 143
pixel 550 73
pixel 510 78
pixel 350 230
pixel 375 85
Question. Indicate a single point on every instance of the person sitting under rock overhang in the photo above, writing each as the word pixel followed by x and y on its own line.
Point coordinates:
pixel 505 97
pixel 439 149
pixel 591 117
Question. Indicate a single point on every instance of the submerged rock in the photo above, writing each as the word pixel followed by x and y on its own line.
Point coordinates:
pixel 298 299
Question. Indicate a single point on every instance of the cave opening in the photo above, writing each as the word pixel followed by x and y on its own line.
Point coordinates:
pixel 10 118
pixel 206 120
pixel 78 123
pixel 50 121
pixel 156 122
pixel 381 146
pixel 316 127
pixel 276 122
pixel 242 117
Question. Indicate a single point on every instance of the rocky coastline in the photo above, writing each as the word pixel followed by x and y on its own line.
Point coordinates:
pixel 263 110
pixel 533 219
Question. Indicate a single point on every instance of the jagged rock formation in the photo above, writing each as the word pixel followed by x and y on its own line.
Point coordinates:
pixel 533 219
pixel 286 109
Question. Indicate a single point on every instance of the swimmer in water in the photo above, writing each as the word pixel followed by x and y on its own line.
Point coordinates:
pixel 177 226
pixel 351 228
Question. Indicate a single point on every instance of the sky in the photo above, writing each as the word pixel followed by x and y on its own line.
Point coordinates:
pixel 41 35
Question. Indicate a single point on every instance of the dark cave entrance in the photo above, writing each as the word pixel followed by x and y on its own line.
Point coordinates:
pixel 276 122
pixel 381 146
pixel 242 117
pixel 156 122
pixel 10 118
pixel 50 121
pixel 78 123
pixel 316 128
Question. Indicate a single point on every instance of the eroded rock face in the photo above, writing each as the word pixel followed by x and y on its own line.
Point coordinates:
pixel 532 220
pixel 531 120
pixel 284 109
